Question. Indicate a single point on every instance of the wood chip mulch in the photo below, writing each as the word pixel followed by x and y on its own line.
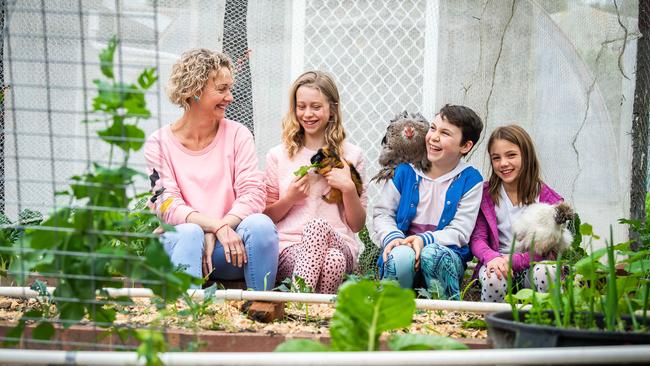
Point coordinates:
pixel 226 316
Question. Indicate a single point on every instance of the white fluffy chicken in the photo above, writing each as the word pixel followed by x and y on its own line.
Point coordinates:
pixel 546 225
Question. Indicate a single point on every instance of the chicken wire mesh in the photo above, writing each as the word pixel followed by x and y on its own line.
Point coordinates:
pixel 565 70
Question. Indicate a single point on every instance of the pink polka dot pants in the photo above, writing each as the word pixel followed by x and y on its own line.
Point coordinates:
pixel 321 259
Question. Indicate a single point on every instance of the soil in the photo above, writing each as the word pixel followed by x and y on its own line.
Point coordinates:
pixel 226 316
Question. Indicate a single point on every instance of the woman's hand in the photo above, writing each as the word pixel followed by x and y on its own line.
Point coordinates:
pixel 341 178
pixel 233 246
pixel 298 189
pixel 498 266
pixel 208 248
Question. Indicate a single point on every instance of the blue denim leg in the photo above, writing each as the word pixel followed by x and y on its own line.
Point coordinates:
pixel 260 239
pixel 185 247
pixel 400 266
pixel 441 264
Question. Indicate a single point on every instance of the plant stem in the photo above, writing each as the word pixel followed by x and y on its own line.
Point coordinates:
pixel 373 326
pixel 611 301
pixel 515 312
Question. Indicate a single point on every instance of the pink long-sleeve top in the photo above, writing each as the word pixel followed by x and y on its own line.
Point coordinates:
pixel 279 174
pixel 484 241
pixel 223 178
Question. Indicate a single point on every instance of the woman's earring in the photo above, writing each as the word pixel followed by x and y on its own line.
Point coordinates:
pixel 196 98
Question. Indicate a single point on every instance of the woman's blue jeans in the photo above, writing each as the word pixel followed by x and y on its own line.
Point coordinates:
pixel 185 247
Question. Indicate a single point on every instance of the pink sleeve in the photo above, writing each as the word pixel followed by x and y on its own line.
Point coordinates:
pixel 271 179
pixel 167 201
pixel 479 241
pixel 250 192
pixel 522 261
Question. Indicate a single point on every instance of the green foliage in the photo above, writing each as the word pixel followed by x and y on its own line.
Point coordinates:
pixel 422 342
pixel 303 170
pixel 474 324
pixel 296 284
pixel 152 343
pixel 575 252
pixel 580 290
pixel 10 232
pixel 367 264
pixel 366 309
pixel 97 234
pixel 641 228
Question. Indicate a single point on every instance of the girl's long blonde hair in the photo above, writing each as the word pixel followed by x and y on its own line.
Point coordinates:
pixel 293 135
pixel 530 182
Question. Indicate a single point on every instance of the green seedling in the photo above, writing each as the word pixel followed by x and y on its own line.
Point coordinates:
pixel 364 311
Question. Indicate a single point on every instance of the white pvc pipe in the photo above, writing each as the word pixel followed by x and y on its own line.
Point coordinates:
pixel 530 356
pixel 469 306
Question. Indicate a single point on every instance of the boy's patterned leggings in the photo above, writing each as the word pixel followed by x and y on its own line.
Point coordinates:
pixel 321 259
pixel 494 289
pixel 441 267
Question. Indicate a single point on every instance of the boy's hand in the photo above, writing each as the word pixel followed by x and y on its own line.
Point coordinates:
pixel 341 178
pixel 413 241
pixel 390 246
pixel 417 244
pixel 298 189
pixel 498 266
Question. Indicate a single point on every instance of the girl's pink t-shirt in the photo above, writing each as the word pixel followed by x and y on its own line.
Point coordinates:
pixel 279 174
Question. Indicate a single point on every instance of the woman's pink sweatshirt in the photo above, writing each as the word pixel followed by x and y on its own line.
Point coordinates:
pixel 223 178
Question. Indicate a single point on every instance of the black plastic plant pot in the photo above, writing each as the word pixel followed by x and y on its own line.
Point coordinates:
pixel 504 332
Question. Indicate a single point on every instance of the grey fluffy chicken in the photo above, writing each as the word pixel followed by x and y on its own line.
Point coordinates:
pixel 546 226
pixel 403 143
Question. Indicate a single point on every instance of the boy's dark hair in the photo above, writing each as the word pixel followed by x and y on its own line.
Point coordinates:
pixel 464 118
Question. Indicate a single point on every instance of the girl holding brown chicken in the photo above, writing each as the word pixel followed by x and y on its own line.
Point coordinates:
pixel 316 229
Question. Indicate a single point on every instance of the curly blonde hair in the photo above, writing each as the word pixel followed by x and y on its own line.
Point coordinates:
pixel 190 74
pixel 293 135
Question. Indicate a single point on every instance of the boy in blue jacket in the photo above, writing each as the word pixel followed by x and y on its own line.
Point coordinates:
pixel 424 220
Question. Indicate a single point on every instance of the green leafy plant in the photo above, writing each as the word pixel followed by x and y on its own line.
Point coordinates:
pixel 617 290
pixel 10 232
pixel 79 243
pixel 41 314
pixel 303 170
pixel 296 284
pixel 367 263
pixel 364 311
pixel 641 228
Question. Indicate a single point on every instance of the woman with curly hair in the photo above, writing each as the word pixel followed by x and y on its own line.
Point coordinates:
pixel 205 180
pixel 316 237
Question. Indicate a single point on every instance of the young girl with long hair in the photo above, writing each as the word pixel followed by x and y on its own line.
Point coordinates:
pixel 515 182
pixel 316 237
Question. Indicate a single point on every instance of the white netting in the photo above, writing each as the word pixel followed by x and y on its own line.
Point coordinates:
pixel 551 66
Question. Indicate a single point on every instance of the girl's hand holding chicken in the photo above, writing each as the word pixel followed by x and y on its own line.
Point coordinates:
pixel 341 178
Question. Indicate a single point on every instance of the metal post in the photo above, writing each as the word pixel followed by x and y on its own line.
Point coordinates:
pixel 235 45
pixel 3 6
pixel 639 181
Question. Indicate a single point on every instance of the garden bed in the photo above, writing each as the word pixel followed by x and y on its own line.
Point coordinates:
pixel 223 327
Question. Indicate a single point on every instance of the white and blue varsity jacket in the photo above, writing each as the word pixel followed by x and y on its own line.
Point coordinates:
pixel 399 199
